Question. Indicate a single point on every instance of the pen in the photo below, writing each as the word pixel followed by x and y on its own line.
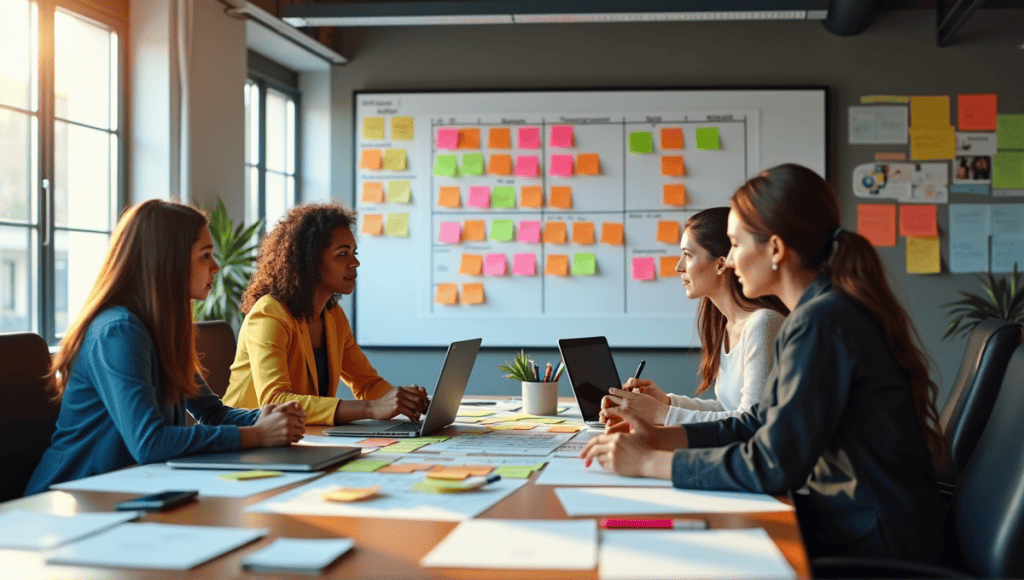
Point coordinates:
pixel 645 524
pixel 536 373
pixel 478 482
pixel 639 369
pixel 558 373
pixel 478 403
pixel 547 374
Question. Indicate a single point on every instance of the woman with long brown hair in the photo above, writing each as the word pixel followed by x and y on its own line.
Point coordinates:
pixel 737 335
pixel 127 369
pixel 850 408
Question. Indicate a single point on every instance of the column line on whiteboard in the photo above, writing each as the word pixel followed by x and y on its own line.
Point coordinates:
pixel 543 188
pixel 625 260
pixel 430 291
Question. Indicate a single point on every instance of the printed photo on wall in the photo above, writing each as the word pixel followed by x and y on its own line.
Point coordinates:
pixel 906 182
pixel 931 183
pixel 972 167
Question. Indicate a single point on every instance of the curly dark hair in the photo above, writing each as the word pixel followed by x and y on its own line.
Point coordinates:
pixel 288 262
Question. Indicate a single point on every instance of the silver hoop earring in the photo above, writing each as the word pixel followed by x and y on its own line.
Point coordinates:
pixel 775 266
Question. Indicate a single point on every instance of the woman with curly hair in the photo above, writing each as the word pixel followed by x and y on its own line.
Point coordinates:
pixel 295 342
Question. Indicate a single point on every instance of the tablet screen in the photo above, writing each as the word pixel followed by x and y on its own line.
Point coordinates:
pixel 591 370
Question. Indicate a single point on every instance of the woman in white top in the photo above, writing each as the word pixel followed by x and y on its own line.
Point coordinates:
pixel 737 335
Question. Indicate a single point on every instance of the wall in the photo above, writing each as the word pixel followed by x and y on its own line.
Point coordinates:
pixel 897 54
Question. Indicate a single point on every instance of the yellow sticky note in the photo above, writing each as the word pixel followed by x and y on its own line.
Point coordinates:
pixel 561 197
pixel 531 196
pixel 611 233
pixel 923 255
pixel 583 233
pixel 399 191
pixel 345 494
pixel 447 294
pixel 499 138
pixel 372 224
pixel 588 164
pixel 672 165
pixel 373 128
pixel 499 165
pixel 449 197
pixel 401 128
pixel 448 475
pixel 469 138
pixel 672 138
pixel 373 192
pixel 370 159
pixel 554 233
pixel 667 267
pixel 932 142
pixel 473 293
pixel 673 194
pixel 932 110
pixel 472 264
pixel 394 159
pixel 473 231
pixel 558 265
pixel 668 232
pixel 397 225
pixel 247 475
pixel 564 429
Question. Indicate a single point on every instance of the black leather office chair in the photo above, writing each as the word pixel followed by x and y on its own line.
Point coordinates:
pixel 215 343
pixel 27 415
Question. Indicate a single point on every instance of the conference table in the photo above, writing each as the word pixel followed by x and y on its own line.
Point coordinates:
pixel 385 548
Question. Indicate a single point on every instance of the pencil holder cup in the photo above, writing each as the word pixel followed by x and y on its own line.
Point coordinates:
pixel 540 398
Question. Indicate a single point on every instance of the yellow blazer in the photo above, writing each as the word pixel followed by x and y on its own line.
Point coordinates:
pixel 274 362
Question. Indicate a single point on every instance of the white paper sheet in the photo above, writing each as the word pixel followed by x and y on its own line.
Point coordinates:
pixel 529 443
pixel 596 501
pixel 157 478
pixel 154 546
pixel 574 446
pixel 288 555
pixel 518 544
pixel 570 471
pixel 328 441
pixel 652 555
pixel 23 530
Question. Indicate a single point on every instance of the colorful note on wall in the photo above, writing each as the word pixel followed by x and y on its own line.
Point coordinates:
pixel 929 110
pixel 503 197
pixel 499 138
pixel 673 194
pixel 561 197
pixel 399 191
pixel 401 128
pixel 449 197
pixel 524 264
pixel 588 164
pixel 977 112
pixel 918 220
pixel 394 159
pixel 531 196
pixel 584 264
pixel 372 224
pixel 472 164
pixel 450 233
pixel 561 136
pixel 708 139
pixel 668 266
pixel 447 294
pixel 474 231
pixel 479 196
pixel 611 233
pixel 526 166
pixel 529 137
pixel 370 159
pixel 471 264
pixel 397 225
pixel 447 138
pixel 672 165
pixel 641 142
pixel 469 138
pixel 473 293
pixel 494 265
pixel 499 165
pixel 877 223
pixel 558 265
pixel 668 232
pixel 923 255
pixel 502 230
pixel 672 138
pixel 446 166
pixel 1008 170
pixel 373 128
pixel 1010 132
pixel 561 165
pixel 643 269
pixel 583 233
pixel 554 233
pixel 529 232
pixel 373 192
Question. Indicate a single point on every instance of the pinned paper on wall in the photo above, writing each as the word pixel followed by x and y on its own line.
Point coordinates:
pixel 499 165
pixel 584 264
pixel 929 110
pixel 447 294
pixel 668 266
pixel 473 293
pixel 397 225
pixel 494 265
pixel 668 232
pixel 977 112
pixel 447 138
pixel 877 223
pixel 561 165
pixel 451 233
pixel 502 230
pixel 1008 170
pixel 967 255
pixel 878 125
pixel 641 142
pixel 503 196
pixel 473 231
pixel 708 139
pixel 526 166
pixel 529 138
pixel 531 196
pixel 479 196
pixel 643 269
pixel 672 138
pixel 473 164
pixel 588 164
pixel 1010 132
pixel 372 224
pixel 583 233
pixel 673 194
pixel 611 233
pixel 499 138
pixel 554 233
pixel 401 128
pixel 672 165
pixel 561 136
pixel 932 142
pixel 561 197
pixel 1007 253
pixel 923 255
pixel 529 232
pixel 471 264
pixel 373 128
pixel 469 138
pixel 373 192
pixel 918 220
pixel 394 159
pixel 370 159
pixel 449 197
pixel 524 264
pixel 1007 219
pixel 968 220
pixel 558 265
pixel 399 191
pixel 446 166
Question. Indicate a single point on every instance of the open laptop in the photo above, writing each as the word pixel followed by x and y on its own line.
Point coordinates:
pixel 290 458
pixel 591 370
pixel 444 404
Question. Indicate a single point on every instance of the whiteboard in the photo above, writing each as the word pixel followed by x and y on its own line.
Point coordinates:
pixel 410 275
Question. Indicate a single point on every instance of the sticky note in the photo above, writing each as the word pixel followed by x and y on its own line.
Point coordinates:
pixel 499 138
pixel 399 191
pixel 554 233
pixel 531 196
pixel 248 475
pixel 667 267
pixel 668 232
pixel 643 268
pixel 672 165
pixel 447 138
pixel 450 233
pixel 370 159
pixel 588 164
pixel 394 159
pixel 561 197
pixel 584 264
pixel 565 429
pixel 513 472
pixel 373 192
pixel 471 265
pixel 918 220
pixel 373 128
pixel 503 196
pixel 473 164
pixel 401 128
pixel 932 142
pixel 377 442
pixel 449 197
pixel 1010 132
pixel 494 265
pixel 447 294
pixel 673 194
pixel 500 165
pixel 448 475
pixel 364 465
pixel 372 224
pixel 561 165
pixel 923 255
pixel 529 137
pixel 672 138
pixel 1008 170
pixel 877 223
pixel 469 139
pixel 529 232
pixel 397 225
pixel 524 264
pixel 502 230
pixel 707 139
pixel 641 142
pixel 583 233
pixel 405 467
pixel 526 166
pixel 473 231
pixel 977 112
pixel 479 196
pixel 446 166
pixel 875 99
pixel 473 293
pixel 347 494
pixel 932 110
pixel 558 265
pixel 611 233
pixel 561 136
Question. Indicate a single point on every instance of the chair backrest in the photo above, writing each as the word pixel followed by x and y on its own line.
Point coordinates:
pixel 974 392
pixel 988 503
pixel 215 343
pixel 27 415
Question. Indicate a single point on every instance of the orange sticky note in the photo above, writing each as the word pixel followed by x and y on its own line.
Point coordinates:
pixel 977 112
pixel 532 196
pixel 448 475
pixel 447 294
pixel 611 233
pixel 672 138
pixel 469 138
pixel 473 293
pixel 565 428
pixel 473 231
pixel 558 265
pixel 499 138
pixel 500 165
pixel 370 159
pixel 673 165
pixel 583 233
pixel 561 197
pixel 472 264
pixel 449 197
pixel 554 233
pixel 877 223
pixel 373 192
pixel 588 164
pixel 668 232
pixel 918 220
pixel 667 267
pixel 673 194
pixel 373 224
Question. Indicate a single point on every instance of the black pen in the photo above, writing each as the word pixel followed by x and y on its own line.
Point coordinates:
pixel 639 369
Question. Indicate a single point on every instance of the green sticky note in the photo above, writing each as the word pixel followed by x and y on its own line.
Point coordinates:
pixel 1008 170
pixel 472 164
pixel 547 420
pixel 501 230
pixel 399 191
pixel 503 196
pixel 446 165
pixel 707 139
pixel 641 142
pixel 584 264
pixel 247 475
pixel 1010 132
pixel 397 225
pixel 430 439
pixel 365 465
pixel 563 409
pixel 514 471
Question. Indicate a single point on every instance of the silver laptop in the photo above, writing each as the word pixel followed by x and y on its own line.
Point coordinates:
pixel 444 404
pixel 290 458
pixel 591 370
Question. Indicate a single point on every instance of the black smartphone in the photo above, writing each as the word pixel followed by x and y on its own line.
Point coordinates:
pixel 158 501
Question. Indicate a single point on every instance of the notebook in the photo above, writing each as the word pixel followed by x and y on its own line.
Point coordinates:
pixel 291 458
pixel 444 404
pixel 591 371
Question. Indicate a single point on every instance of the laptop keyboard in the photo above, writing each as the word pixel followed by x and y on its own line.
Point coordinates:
pixel 405 427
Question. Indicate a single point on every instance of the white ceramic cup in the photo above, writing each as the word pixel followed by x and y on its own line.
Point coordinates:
pixel 540 398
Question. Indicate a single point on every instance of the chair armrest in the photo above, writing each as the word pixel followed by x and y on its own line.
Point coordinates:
pixel 850 567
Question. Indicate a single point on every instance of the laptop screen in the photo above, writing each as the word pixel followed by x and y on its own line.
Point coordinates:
pixel 591 370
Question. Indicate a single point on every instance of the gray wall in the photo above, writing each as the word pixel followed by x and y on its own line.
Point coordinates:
pixel 896 55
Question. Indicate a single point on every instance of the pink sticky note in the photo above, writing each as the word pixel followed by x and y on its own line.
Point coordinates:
pixel 479 196
pixel 524 264
pixel 494 265
pixel 561 165
pixel 451 233
pixel 561 136
pixel 529 232
pixel 447 138
pixel 529 137
pixel 526 166
pixel 643 268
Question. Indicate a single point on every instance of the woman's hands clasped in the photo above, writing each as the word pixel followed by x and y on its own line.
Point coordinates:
pixel 280 425
pixel 410 401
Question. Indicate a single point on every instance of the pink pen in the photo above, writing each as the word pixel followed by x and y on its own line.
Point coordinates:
pixel 651 524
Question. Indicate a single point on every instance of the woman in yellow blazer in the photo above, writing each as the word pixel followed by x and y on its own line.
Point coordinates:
pixel 295 341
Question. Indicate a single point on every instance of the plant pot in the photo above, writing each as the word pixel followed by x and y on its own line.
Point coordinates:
pixel 540 398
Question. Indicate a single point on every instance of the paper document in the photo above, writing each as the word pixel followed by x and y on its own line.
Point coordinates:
pixel 574 446
pixel 22 530
pixel 532 443
pixel 328 441
pixel 293 556
pixel 596 501
pixel 518 544
pixel 570 471
pixel 157 478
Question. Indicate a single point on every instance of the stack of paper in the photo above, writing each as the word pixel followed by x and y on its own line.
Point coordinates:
pixel 21 530
pixel 596 501
pixel 292 556
pixel 518 544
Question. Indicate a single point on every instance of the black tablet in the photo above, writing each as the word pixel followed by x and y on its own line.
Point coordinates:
pixel 591 370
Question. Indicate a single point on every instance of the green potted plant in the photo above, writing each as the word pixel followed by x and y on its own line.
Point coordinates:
pixel 540 387
pixel 1001 298
pixel 235 251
